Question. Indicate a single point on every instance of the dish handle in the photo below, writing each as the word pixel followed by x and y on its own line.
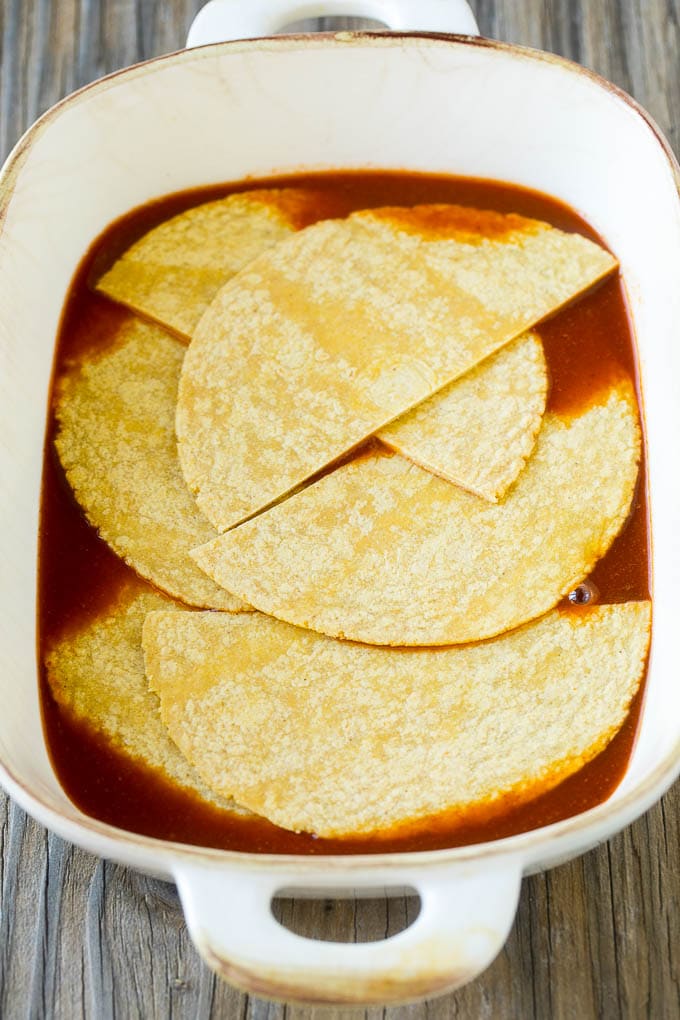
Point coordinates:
pixel 221 20
pixel 466 911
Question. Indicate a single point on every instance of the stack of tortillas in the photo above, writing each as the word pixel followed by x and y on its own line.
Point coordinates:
pixel 453 533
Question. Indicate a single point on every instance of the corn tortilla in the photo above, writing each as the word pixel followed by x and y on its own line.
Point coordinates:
pixel 175 298
pixel 384 552
pixel 479 430
pixel 340 739
pixel 346 325
pixel 173 272
pixel 116 441
pixel 97 675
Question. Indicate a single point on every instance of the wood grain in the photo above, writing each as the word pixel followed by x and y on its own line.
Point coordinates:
pixel 80 937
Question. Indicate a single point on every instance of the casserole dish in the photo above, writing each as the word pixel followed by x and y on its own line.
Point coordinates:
pixel 425 103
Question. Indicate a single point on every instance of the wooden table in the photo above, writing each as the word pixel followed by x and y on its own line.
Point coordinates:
pixel 79 937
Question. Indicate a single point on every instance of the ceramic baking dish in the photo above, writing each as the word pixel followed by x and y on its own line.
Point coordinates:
pixel 430 102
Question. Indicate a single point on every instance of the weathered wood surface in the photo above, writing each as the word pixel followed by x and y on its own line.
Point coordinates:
pixel 599 937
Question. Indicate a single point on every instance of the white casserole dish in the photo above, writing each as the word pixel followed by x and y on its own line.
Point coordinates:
pixel 446 104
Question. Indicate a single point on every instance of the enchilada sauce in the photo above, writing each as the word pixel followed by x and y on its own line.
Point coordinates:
pixel 586 345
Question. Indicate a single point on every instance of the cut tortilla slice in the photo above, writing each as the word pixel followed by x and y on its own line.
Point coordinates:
pixel 346 325
pixel 97 675
pixel 384 552
pixel 479 430
pixel 342 739
pixel 116 441
pixel 173 272
pixel 173 297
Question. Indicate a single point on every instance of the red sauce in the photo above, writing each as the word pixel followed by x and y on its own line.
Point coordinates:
pixel 587 346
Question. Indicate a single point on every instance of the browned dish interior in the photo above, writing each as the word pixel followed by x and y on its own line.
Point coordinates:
pixel 586 345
